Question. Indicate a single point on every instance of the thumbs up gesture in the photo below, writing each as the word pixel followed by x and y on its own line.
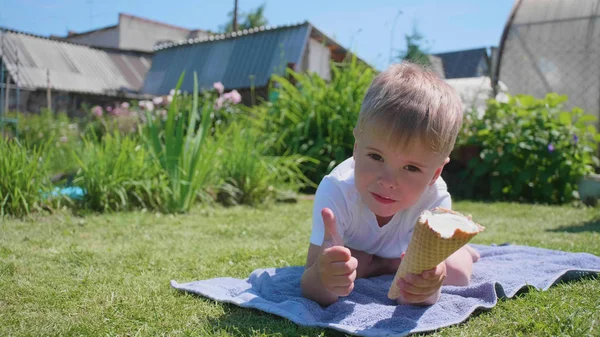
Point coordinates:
pixel 336 266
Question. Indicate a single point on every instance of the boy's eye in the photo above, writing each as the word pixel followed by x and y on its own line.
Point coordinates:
pixel 412 168
pixel 375 156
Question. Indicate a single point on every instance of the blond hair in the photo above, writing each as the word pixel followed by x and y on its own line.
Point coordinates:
pixel 411 103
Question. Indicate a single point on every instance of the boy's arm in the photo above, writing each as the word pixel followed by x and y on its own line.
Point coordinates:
pixel 330 268
pixel 424 289
pixel 372 265
pixel 310 284
pixel 459 266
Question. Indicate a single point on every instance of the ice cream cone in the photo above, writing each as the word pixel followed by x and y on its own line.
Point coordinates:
pixel 429 246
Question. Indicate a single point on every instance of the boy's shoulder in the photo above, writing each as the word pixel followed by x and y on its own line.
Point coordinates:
pixel 339 183
pixel 342 175
pixel 344 171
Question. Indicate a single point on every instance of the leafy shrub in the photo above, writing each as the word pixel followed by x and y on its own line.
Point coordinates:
pixel 315 118
pixel 23 175
pixel 248 175
pixel 118 174
pixel 123 117
pixel 529 149
pixel 37 130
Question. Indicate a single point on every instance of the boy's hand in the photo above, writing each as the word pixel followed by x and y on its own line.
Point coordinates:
pixel 335 265
pixel 423 288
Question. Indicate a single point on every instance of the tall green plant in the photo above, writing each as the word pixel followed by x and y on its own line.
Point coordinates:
pixel 23 176
pixel 118 173
pixel 177 144
pixel 315 118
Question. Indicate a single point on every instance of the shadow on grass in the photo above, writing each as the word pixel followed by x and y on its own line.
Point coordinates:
pixel 573 277
pixel 589 226
pixel 239 321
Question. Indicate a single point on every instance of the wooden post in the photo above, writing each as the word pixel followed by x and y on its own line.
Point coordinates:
pixel 18 89
pixel 48 91
pixel 2 88
pixel 235 12
pixel 6 91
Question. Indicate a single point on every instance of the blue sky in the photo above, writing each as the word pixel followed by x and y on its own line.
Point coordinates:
pixel 367 27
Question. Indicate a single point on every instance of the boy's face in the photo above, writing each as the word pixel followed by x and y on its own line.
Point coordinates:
pixel 390 180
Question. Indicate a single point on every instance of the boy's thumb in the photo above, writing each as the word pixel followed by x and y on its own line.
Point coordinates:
pixel 331 237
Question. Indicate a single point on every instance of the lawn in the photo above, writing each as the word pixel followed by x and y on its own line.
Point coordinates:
pixel 108 275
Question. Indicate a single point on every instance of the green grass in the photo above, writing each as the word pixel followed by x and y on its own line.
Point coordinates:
pixel 108 275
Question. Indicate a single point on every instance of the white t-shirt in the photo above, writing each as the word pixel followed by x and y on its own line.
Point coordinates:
pixel 357 225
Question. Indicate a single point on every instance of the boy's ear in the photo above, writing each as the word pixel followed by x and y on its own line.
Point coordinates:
pixel 438 172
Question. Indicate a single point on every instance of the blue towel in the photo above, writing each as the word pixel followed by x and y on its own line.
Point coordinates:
pixel 501 272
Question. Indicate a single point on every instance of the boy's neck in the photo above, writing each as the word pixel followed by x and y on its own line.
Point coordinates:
pixel 382 221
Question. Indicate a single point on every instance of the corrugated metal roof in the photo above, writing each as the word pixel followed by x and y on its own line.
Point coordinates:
pixel 238 60
pixel 464 63
pixel 73 68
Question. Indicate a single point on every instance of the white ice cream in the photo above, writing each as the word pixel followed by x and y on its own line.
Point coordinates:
pixel 447 223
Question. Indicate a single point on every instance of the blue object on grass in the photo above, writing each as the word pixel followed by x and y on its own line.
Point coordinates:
pixel 73 192
pixel 502 271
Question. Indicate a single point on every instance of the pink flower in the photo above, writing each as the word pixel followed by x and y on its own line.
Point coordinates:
pixel 97 111
pixel 219 102
pixel 219 86
pixel 117 112
pixel 163 114
pixel 233 96
pixel 109 109
pixel 125 105
pixel 149 106
pixel 157 100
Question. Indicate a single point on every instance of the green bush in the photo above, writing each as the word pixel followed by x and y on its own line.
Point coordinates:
pixel 119 174
pixel 35 130
pixel 530 150
pixel 23 177
pixel 315 118
pixel 248 175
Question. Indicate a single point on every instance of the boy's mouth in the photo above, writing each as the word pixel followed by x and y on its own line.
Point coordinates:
pixel 382 200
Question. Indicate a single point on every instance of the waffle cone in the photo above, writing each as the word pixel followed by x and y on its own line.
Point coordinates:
pixel 427 248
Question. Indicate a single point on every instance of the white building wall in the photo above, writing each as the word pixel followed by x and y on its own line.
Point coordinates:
pixel 139 34
pixel 100 38
pixel 319 57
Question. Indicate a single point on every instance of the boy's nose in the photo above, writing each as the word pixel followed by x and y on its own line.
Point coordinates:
pixel 388 181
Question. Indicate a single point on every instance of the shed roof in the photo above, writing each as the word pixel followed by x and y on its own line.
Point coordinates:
pixel 72 67
pixel 239 60
pixel 463 63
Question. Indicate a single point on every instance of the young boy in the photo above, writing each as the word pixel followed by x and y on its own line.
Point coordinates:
pixel 366 208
